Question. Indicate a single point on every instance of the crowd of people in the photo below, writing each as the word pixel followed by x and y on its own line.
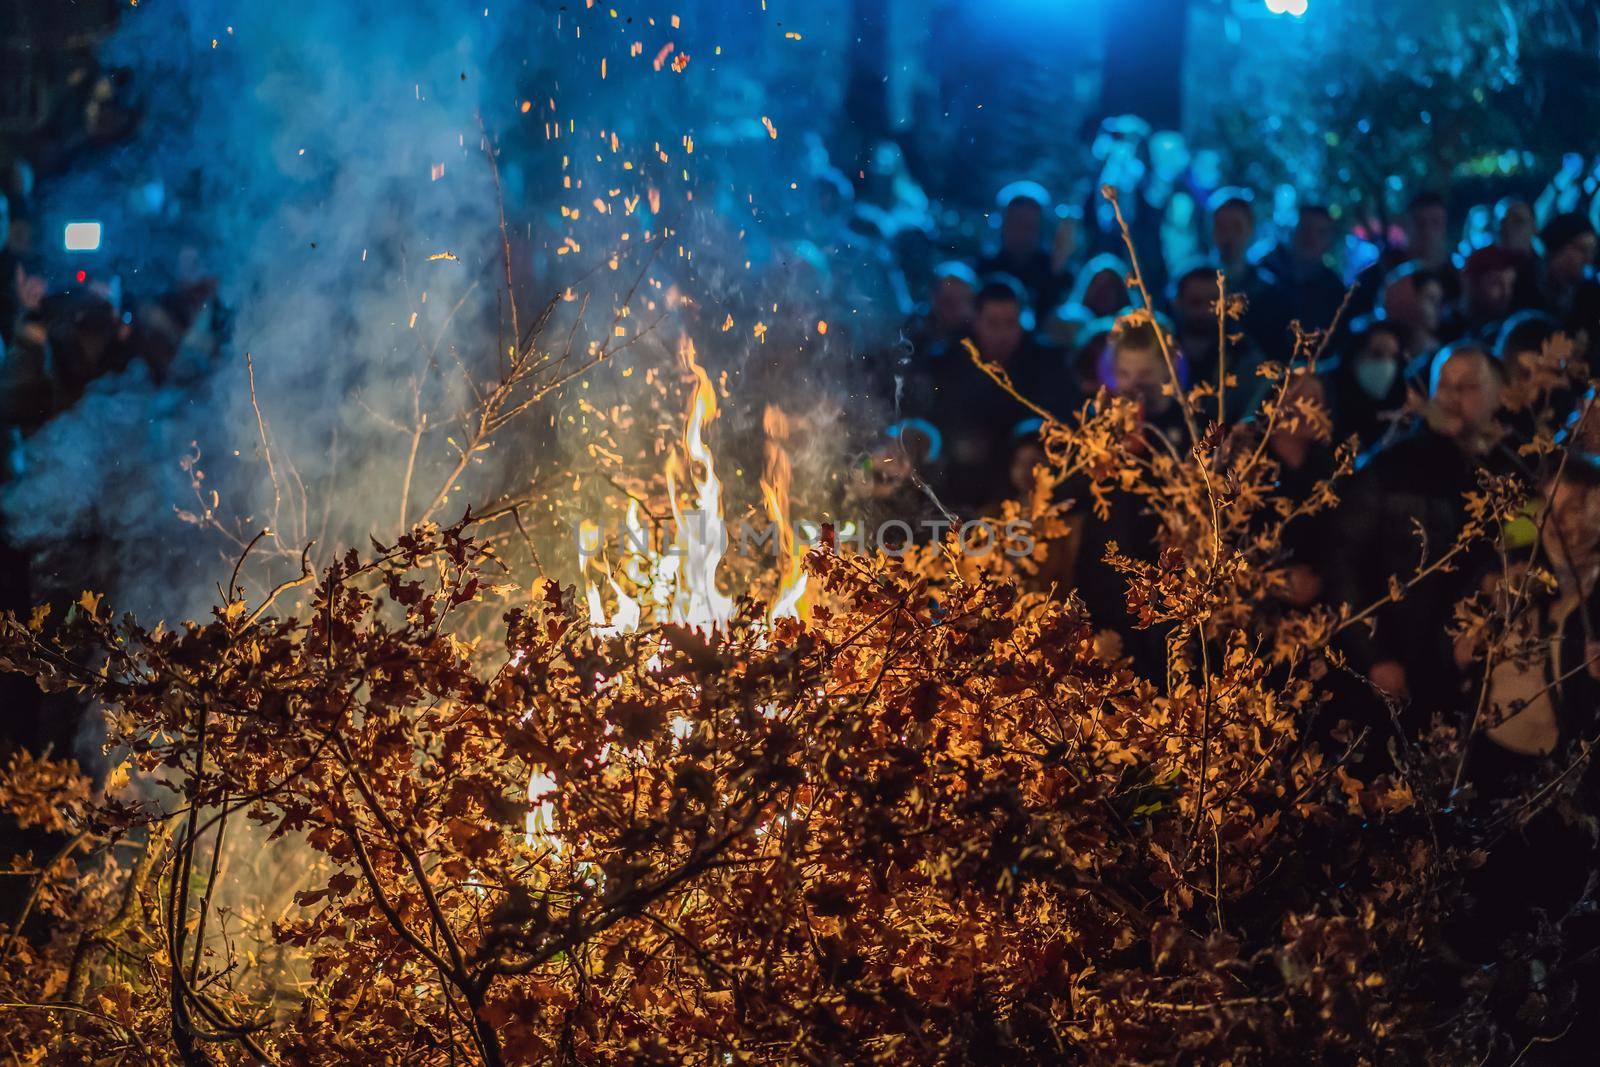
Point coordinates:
pixel 1432 329
pixel 1430 322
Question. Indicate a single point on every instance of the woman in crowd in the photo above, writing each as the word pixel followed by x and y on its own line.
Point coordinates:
pixel 1369 389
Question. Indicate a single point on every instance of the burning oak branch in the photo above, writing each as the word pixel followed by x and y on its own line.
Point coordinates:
pixel 933 817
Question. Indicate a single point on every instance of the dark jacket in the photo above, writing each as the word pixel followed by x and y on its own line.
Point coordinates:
pixel 978 419
pixel 1421 482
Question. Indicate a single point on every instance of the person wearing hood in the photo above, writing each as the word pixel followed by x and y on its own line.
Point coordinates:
pixel 1101 291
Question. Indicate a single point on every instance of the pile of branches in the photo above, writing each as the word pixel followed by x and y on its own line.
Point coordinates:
pixel 942 820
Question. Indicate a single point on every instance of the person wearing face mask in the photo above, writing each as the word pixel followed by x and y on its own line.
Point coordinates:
pixel 1420 482
pixel 1369 389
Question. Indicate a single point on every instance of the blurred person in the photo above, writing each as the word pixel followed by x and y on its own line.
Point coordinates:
pixel 974 413
pixel 1465 385
pixel 1540 393
pixel 1233 234
pixel 1194 306
pixel 1428 239
pixel 1488 282
pixel 1369 387
pixel 1419 483
pixel 889 186
pixel 1520 342
pixel 1135 368
pixel 20 291
pixel 18 189
pixel 1549 694
pixel 1027 455
pixel 889 477
pixel 1475 231
pixel 1021 251
pixel 1514 232
pixel 930 348
pixel 1103 287
pixel 1427 242
pixel 1305 288
pixel 998 327
pixel 1514 226
pixel 1131 366
pixel 1233 231
pixel 1305 460
pixel 866 280
pixel 1085 360
pixel 1568 289
pixel 88 339
pixel 1171 190
pixel 1101 290
pixel 1120 151
pixel 1537 716
pixel 27 395
pixel 952 301
pixel 1413 300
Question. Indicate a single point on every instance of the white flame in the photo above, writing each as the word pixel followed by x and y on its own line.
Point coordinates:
pixel 541 817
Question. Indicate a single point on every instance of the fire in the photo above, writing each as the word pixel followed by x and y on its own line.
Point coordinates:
pixel 702 537
pixel 775 494
pixel 680 586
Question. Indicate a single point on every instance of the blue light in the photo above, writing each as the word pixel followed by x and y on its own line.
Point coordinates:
pixel 1297 8
pixel 81 237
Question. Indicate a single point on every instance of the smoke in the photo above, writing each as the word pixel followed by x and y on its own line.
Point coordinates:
pixel 322 152
pixel 325 162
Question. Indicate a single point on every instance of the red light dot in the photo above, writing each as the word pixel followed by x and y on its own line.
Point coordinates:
pixel 83 276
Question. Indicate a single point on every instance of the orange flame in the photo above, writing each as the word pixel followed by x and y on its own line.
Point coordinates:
pixel 775 482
